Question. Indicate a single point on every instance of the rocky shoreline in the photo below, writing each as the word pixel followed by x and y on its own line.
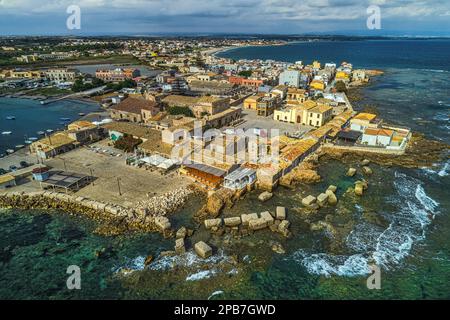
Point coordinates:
pixel 148 216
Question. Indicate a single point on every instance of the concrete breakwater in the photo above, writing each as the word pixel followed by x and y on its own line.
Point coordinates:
pixel 114 219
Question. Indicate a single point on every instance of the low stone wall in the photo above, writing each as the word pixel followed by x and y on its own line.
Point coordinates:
pixel 118 218
pixel 364 149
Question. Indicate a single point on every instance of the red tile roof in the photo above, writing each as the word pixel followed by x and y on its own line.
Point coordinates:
pixel 134 105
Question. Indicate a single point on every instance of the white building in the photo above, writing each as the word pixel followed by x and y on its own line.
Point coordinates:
pixel 290 78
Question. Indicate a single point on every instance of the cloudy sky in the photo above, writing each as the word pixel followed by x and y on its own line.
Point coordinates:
pixel 398 17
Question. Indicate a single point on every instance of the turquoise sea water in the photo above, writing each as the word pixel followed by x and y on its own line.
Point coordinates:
pixel 402 222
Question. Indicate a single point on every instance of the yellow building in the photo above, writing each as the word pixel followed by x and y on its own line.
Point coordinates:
pixel 294 94
pixel 316 65
pixel 317 85
pixel 319 115
pixel 343 76
pixel 252 102
pixel 308 113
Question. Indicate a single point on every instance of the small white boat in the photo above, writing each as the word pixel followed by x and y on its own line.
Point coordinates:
pixel 49 130
pixel 10 118
pixel 41 133
pixel 81 114
pixel 33 139
pixel 20 146
pixel 9 151
pixel 28 142
pixel 6 133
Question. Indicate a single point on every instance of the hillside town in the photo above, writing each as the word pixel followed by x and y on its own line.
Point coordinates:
pixel 200 123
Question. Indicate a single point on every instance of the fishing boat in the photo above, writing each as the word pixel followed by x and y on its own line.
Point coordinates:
pixel 9 151
pixel 28 142
pixel 10 118
pixel 49 130
pixel 6 133
pixel 20 146
pixel 81 114
pixel 64 119
pixel 33 139
pixel 41 133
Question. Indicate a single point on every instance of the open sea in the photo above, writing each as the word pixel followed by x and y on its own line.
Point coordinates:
pixel 402 223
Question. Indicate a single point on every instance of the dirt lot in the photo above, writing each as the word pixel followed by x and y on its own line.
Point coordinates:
pixel 135 183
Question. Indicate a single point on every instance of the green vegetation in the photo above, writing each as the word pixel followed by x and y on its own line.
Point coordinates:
pixel 180 111
pixel 79 85
pixel 127 143
pixel 245 73
pixel 128 83
pixel 340 87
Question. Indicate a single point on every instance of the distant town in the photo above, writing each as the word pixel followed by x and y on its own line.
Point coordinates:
pixel 141 156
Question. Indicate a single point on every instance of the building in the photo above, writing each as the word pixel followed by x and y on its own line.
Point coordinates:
pixel 224 118
pixel 308 113
pixel 252 102
pixel 209 105
pixel 240 179
pixel 180 101
pixel 7 181
pixel 207 175
pixel 290 78
pixel 295 94
pixel 61 74
pixel 83 131
pixel 134 110
pixel 377 137
pixel 53 145
pixel 266 106
pixel 319 115
pixel 211 87
pixel 359 75
pixel 362 121
pixel 117 75
pixel 241 81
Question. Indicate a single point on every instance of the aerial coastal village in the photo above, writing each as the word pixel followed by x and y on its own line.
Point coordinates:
pixel 201 124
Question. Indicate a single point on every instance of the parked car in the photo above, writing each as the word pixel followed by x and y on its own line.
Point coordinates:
pixel 12 168
pixel 3 171
pixel 24 164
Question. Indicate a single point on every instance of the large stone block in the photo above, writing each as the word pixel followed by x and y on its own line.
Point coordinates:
pixel 322 199
pixel 257 224
pixel 162 223
pixel 213 223
pixel 232 222
pixel 267 217
pixel 309 201
pixel 203 250
pixel 281 213
pixel 246 218
pixel 265 196
pixel 351 172
pixel 179 246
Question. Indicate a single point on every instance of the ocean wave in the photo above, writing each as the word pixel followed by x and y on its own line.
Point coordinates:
pixel 369 243
pixel 441 172
pixel 206 274
pixel 188 260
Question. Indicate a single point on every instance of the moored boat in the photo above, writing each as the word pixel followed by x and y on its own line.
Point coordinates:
pixel 10 118
pixel 9 151
pixel 5 133
pixel 41 133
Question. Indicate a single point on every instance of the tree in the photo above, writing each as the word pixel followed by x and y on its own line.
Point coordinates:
pixel 340 87
pixel 245 73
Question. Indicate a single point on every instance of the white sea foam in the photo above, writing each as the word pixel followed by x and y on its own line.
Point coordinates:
pixel 387 248
pixel 215 293
pixel 200 275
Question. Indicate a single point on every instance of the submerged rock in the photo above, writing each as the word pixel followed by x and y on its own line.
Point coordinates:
pixel 265 196
pixel 351 172
pixel 203 250
pixel 367 170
